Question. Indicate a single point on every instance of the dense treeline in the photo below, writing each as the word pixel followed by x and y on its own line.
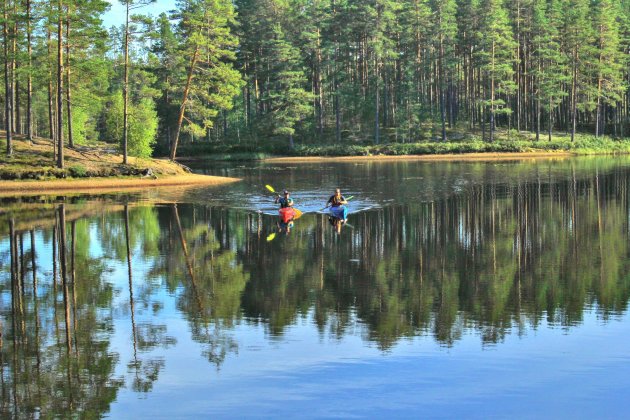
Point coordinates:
pixel 322 71
pixel 407 70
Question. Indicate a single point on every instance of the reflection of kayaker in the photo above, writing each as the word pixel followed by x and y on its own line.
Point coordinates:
pixel 285 226
pixel 337 203
pixel 336 223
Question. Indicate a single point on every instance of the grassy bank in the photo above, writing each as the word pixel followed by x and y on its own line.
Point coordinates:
pixel 34 161
pixel 88 169
pixel 463 143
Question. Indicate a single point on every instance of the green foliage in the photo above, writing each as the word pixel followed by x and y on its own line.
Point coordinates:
pixel 114 119
pixel 143 125
pixel 77 171
pixel 207 82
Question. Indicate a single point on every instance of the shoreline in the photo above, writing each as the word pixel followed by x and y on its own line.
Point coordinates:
pixel 104 185
pixel 484 156
pixel 476 156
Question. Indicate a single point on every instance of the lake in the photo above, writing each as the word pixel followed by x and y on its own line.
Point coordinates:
pixel 457 289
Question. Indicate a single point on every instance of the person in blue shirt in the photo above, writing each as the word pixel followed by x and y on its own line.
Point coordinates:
pixel 285 201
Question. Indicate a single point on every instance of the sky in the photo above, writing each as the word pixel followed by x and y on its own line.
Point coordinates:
pixel 116 14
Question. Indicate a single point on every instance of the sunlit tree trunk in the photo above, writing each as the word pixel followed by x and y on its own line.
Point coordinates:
pixel 125 89
pixel 8 93
pixel 182 109
pixel 29 81
pixel 51 104
pixel 68 87
pixel 60 157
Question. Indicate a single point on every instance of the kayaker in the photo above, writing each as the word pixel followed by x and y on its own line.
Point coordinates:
pixel 337 199
pixel 285 201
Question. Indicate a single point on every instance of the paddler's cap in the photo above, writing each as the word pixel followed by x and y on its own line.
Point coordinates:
pixel 286 192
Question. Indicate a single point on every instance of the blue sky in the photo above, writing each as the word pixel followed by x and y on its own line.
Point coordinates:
pixel 116 14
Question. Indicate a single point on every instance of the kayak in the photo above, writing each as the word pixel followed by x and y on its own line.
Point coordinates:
pixel 287 214
pixel 339 212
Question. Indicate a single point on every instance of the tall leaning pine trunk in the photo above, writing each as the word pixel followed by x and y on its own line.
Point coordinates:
pixel 125 89
pixel 182 109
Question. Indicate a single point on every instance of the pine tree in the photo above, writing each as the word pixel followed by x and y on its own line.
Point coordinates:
pixel 29 70
pixel 83 38
pixel 209 45
pixel 414 39
pixel 168 61
pixel 130 31
pixel 286 99
pixel 611 60
pixel 310 18
pixel 60 15
pixel 496 58
pixel 551 66
pixel 8 87
pixel 578 36
pixel 445 32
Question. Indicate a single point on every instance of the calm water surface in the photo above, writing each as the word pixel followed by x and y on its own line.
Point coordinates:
pixel 457 290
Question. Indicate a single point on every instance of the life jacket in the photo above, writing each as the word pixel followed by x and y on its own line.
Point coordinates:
pixel 336 202
pixel 284 202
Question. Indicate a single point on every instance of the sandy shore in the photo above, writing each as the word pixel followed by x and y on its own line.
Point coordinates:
pixel 101 185
pixel 427 158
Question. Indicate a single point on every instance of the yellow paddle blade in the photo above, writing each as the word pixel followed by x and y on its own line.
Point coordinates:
pixel 297 214
pixel 270 188
pixel 271 237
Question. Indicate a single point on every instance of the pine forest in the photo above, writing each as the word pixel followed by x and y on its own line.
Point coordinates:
pixel 287 73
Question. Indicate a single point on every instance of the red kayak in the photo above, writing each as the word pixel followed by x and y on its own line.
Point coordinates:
pixel 287 214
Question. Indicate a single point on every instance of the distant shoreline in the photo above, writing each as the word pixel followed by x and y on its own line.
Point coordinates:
pixel 487 156
pixel 425 157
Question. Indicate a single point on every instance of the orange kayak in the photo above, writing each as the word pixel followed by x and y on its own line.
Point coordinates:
pixel 287 214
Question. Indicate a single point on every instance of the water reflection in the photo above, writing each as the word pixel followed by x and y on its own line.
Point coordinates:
pixel 495 258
